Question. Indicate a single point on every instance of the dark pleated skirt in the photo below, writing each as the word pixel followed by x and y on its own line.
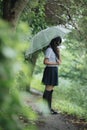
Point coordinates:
pixel 50 76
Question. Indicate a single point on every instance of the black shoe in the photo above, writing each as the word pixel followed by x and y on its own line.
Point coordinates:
pixel 54 112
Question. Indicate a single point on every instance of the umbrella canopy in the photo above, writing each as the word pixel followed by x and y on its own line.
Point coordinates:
pixel 44 37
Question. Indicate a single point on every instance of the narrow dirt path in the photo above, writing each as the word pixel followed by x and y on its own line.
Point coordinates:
pixel 55 122
pixel 46 121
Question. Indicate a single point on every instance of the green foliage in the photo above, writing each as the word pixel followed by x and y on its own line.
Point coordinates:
pixel 12 47
pixel 35 16
pixel 71 97
pixel 74 59
pixel 36 82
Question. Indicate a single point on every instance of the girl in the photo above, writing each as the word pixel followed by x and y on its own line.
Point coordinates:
pixel 50 76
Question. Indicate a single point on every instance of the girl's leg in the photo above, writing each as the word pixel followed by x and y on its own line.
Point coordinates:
pixel 48 97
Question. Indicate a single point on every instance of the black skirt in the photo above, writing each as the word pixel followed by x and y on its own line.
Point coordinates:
pixel 50 76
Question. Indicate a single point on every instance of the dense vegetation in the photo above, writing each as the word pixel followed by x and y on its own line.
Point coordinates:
pixel 12 67
pixel 15 71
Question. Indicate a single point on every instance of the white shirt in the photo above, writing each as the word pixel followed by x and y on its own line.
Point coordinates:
pixel 50 55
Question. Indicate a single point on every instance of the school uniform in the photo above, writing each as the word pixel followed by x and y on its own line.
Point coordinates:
pixel 50 74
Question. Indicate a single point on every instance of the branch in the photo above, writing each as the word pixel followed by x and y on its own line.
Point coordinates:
pixel 65 8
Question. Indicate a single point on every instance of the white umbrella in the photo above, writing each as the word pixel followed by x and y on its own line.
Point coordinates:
pixel 44 37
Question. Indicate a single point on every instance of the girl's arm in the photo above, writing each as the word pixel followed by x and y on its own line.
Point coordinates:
pixel 59 60
pixel 47 62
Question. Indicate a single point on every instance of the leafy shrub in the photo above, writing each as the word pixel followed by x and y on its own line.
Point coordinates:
pixel 11 63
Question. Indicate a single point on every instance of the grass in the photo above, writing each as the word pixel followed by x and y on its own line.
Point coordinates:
pixel 36 83
pixel 67 107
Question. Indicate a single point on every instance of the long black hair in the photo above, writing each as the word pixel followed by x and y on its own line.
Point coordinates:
pixel 54 43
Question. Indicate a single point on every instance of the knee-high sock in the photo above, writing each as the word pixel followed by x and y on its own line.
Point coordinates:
pixel 48 97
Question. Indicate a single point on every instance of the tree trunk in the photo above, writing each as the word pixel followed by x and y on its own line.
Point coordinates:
pixel 32 61
pixel 12 10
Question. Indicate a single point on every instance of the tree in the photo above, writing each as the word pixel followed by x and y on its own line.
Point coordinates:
pixel 12 10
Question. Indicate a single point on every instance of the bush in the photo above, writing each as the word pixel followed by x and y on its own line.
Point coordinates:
pixel 11 63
